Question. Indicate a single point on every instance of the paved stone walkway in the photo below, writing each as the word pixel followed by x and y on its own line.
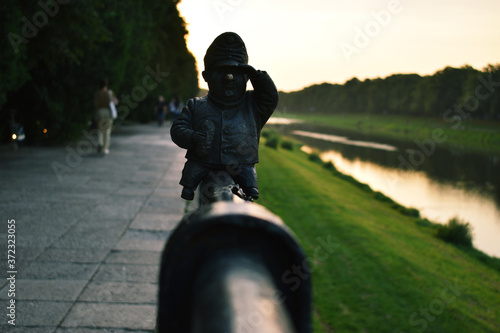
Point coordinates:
pixel 89 231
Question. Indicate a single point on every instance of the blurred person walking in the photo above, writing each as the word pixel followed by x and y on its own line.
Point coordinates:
pixel 161 110
pixel 175 107
pixel 103 115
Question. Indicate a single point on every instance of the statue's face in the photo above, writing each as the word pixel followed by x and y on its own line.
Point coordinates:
pixel 227 84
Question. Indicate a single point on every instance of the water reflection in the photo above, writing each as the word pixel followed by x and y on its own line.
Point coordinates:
pixel 436 201
pixel 345 140
pixel 442 185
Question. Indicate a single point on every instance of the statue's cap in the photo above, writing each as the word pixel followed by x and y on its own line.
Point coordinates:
pixel 228 49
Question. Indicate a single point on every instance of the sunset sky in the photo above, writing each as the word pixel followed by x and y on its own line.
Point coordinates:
pixel 300 43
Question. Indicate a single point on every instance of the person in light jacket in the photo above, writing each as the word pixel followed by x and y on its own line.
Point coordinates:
pixel 103 116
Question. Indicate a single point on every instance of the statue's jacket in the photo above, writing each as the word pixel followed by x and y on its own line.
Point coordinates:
pixel 237 127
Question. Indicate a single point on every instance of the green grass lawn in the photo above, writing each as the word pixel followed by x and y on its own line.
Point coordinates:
pixel 479 135
pixel 381 272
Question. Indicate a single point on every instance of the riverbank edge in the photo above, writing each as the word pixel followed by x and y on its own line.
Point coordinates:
pixel 291 144
pixel 470 257
pixel 444 262
pixel 442 133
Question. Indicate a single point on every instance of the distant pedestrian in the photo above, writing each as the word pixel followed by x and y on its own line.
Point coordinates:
pixel 161 110
pixel 175 107
pixel 103 116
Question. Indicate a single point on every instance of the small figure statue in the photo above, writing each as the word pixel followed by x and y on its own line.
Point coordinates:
pixel 221 130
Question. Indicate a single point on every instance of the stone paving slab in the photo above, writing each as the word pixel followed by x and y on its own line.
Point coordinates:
pixel 127 273
pixel 39 314
pixel 30 329
pixel 138 257
pixel 99 315
pixel 118 292
pixel 73 255
pixel 59 270
pixel 46 290
pixel 90 330
pixel 89 232
pixel 153 221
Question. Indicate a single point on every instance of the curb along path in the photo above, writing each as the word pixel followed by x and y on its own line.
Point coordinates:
pixel 88 231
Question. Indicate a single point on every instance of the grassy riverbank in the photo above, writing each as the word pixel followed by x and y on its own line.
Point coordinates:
pixel 469 134
pixel 375 269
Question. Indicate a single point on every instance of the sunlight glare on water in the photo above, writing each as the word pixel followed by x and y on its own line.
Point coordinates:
pixel 283 121
pixel 345 140
pixel 435 201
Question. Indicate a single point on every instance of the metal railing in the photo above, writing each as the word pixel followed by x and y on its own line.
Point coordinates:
pixel 225 269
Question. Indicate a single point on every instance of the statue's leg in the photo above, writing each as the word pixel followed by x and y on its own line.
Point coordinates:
pixel 247 179
pixel 192 175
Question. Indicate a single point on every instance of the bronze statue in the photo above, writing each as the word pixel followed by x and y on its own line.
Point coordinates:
pixel 221 130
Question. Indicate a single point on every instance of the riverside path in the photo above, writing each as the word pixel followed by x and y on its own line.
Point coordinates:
pixel 85 232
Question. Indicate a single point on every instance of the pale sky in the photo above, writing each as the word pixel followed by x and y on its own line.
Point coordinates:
pixel 300 43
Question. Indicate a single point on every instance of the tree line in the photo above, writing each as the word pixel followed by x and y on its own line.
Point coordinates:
pixel 450 92
pixel 54 52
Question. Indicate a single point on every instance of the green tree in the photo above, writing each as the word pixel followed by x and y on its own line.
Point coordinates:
pixel 53 70
pixel 403 94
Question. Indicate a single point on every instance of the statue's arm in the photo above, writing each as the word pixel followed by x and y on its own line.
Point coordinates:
pixel 265 94
pixel 182 132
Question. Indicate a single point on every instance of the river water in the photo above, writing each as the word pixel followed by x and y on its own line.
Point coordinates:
pixel 440 183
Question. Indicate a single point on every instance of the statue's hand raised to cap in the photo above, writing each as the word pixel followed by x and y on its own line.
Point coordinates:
pixel 247 69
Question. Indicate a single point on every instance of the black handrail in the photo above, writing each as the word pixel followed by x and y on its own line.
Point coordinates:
pixel 225 268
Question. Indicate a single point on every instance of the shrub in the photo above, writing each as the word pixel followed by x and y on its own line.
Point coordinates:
pixel 266 133
pixel 456 232
pixel 329 166
pixel 364 187
pixel 354 181
pixel 382 197
pixel 412 212
pixel 314 157
pixel 273 141
pixel 426 223
pixel 288 145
